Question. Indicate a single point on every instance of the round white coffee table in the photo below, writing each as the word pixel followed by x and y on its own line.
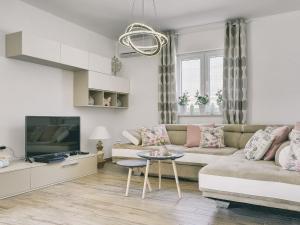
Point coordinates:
pixel 153 155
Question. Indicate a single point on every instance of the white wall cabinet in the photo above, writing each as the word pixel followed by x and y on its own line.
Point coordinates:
pixel 22 45
pixel 99 63
pixel 92 77
pixel 25 46
pixel 100 81
pixel 100 86
pixel 74 57
pixel 21 177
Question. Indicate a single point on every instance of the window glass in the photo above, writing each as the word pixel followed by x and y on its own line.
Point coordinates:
pixel 202 72
pixel 215 77
pixel 190 77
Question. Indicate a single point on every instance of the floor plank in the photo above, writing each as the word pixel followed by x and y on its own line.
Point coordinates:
pixel 99 199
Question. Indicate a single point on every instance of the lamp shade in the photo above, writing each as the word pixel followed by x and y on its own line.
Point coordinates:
pixel 99 133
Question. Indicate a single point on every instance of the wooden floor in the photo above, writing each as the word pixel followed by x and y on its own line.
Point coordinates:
pixel 99 200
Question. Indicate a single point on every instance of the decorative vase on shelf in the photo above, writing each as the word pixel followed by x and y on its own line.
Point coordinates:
pixel 192 109
pixel 182 109
pixel 202 109
pixel 91 100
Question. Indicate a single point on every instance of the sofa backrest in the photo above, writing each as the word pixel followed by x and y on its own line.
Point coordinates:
pixel 235 135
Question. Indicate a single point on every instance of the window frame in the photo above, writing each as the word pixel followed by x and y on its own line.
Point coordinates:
pixel 204 57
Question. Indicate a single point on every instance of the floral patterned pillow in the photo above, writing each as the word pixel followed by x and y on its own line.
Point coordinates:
pixel 212 137
pixel 158 135
pixel 258 145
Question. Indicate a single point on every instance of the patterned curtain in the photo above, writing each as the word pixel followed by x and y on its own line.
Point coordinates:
pixel 167 104
pixel 235 76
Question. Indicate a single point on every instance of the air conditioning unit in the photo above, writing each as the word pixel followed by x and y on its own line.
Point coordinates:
pixel 125 52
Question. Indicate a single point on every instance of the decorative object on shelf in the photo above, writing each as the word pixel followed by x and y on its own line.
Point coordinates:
pixel 219 95
pixel 91 100
pixel 139 29
pixel 116 65
pixel 5 156
pixel 213 110
pixel 100 133
pixel 107 101
pixel 4 162
pixel 192 109
pixel 183 101
pixel 119 103
pixel 219 100
pixel 201 101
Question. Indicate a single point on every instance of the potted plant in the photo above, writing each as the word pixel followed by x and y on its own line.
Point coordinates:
pixel 201 101
pixel 183 101
pixel 219 95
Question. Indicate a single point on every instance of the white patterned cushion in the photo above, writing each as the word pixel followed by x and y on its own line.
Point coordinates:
pixel 133 136
pixel 212 137
pixel 258 145
pixel 158 135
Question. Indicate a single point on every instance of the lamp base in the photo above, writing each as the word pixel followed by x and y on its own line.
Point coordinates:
pixel 100 154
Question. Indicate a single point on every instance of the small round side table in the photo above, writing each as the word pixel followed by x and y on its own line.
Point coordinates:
pixel 152 155
pixel 131 164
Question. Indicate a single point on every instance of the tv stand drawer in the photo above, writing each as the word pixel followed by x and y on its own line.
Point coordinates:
pixel 14 182
pixel 69 169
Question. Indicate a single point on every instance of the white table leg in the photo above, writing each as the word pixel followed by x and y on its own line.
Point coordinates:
pixel 159 175
pixel 176 178
pixel 146 178
pixel 149 186
pixel 128 181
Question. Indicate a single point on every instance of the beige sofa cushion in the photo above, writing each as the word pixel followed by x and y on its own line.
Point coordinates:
pixel 239 167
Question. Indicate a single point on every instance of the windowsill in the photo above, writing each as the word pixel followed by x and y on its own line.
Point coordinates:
pixel 199 115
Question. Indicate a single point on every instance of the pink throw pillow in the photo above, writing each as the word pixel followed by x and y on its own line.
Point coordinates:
pixel 193 135
pixel 281 135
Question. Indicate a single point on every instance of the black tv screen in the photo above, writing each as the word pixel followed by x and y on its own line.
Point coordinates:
pixel 51 135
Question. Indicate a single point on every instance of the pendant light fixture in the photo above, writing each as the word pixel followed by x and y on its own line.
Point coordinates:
pixel 136 30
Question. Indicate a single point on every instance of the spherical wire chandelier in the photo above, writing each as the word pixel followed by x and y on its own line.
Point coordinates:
pixel 136 30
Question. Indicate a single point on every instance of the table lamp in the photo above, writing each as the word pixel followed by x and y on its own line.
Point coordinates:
pixel 100 133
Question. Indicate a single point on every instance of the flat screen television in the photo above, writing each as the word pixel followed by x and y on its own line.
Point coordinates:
pixel 51 135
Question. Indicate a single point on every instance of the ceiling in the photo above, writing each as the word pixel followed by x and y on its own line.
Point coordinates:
pixel 110 17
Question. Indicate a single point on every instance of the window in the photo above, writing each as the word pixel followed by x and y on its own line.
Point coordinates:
pixel 201 72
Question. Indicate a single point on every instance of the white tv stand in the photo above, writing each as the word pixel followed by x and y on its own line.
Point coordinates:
pixel 20 177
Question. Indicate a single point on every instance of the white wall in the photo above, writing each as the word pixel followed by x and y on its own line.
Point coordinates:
pixel 273 70
pixel 143 100
pixel 204 38
pixel 31 89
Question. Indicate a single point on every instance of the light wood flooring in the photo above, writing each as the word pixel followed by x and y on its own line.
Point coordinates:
pixel 99 200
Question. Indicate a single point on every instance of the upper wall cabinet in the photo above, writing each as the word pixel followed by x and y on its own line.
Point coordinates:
pixel 74 57
pixel 100 86
pixel 24 46
pixel 27 47
pixel 99 63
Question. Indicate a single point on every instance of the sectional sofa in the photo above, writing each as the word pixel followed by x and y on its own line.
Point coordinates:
pixel 224 173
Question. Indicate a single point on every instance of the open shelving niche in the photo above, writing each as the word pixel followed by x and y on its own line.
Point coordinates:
pixel 99 86
pixel 119 100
